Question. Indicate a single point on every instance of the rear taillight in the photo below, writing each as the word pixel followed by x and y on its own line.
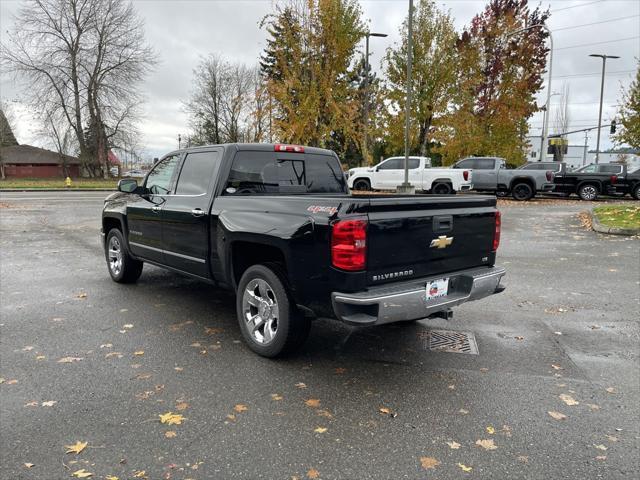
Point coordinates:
pixel 496 232
pixel 465 175
pixel 614 178
pixel 349 245
pixel 288 148
pixel 549 175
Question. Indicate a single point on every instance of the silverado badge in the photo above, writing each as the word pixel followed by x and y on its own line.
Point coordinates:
pixel 441 242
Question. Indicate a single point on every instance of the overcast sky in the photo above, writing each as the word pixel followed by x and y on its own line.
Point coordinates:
pixel 184 31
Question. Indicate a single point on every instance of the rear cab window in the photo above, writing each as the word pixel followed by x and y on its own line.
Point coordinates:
pixel 263 172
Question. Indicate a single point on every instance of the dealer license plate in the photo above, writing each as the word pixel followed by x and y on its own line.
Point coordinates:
pixel 437 288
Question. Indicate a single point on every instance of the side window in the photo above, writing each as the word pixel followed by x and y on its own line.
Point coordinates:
pixel 159 179
pixel 197 171
pixel 484 164
pixel 468 163
pixel 392 164
pixel 413 163
pixel 610 168
pixel 589 169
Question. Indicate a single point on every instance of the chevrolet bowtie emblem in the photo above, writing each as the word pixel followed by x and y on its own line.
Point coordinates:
pixel 441 242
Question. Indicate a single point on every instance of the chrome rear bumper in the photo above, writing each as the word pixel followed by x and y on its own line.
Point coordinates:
pixel 407 300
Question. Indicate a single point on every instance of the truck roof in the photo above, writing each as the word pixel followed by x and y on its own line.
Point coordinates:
pixel 255 147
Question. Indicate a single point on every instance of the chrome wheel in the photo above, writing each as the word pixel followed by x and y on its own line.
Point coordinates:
pixel 588 192
pixel 115 256
pixel 260 311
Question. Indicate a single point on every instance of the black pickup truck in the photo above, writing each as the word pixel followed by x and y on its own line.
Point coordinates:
pixel 277 225
pixel 589 181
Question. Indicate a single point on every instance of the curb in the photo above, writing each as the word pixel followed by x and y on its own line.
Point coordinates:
pixel 57 189
pixel 600 228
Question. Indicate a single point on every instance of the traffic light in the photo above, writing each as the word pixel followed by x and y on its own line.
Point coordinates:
pixel 613 127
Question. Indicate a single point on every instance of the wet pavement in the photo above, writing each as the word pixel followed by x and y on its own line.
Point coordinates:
pixel 554 391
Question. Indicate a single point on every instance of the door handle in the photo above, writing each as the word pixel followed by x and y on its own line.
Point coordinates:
pixel 156 208
pixel 196 212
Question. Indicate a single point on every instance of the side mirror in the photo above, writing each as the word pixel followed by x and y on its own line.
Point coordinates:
pixel 127 185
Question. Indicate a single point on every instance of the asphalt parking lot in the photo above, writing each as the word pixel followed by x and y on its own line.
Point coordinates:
pixel 554 391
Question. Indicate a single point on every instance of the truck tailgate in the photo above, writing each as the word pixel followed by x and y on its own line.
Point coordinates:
pixel 417 236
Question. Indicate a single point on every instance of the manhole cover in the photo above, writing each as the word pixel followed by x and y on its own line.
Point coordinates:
pixel 452 342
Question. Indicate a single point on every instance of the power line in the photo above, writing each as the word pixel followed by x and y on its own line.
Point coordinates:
pixel 619 72
pixel 575 6
pixel 596 23
pixel 597 43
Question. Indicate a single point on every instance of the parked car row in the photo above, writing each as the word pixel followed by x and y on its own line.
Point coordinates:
pixel 490 174
pixel 388 174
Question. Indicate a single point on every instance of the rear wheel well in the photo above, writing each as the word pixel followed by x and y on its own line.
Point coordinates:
pixel 590 182
pixel 526 180
pixel 245 254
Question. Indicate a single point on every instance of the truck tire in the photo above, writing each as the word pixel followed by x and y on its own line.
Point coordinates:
pixel 522 192
pixel 122 267
pixel 362 184
pixel 441 188
pixel 588 192
pixel 269 321
pixel 635 193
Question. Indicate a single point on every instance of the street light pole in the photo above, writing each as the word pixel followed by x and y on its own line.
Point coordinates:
pixel 406 187
pixel 365 142
pixel 604 64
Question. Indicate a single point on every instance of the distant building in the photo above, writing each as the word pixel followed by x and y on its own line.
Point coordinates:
pixel 575 157
pixel 26 161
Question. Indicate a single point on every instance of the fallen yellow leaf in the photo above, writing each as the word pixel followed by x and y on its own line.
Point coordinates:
pixel 611 438
pixel 429 462
pixel 491 430
pixel 82 473
pixel 465 468
pixel 313 473
pixel 40 357
pixel 69 359
pixel 140 474
pixel 610 390
pixel 556 367
pixel 49 403
pixel 557 415
pixel 384 410
pixel 486 444
pixel 31 404
pixel 81 295
pixel 453 445
pixel 276 397
pixel 301 385
pixel 111 477
pixel 170 434
pixel 139 353
pixel 312 402
pixel 29 465
pixel 320 430
pixel 568 399
pixel 601 447
pixel 182 406
pixel 239 408
pixel 171 418
pixel 76 447
pixel 462 411
pixel 325 413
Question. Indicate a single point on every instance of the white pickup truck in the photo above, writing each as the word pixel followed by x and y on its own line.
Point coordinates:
pixel 389 173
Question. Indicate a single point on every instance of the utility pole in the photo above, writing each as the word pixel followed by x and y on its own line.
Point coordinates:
pixel 179 141
pixel 604 64
pixel 365 142
pixel 406 187
pixel 584 154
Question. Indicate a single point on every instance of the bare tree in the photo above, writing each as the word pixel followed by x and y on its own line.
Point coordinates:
pixel 222 105
pixel 60 135
pixel 83 60
pixel 562 118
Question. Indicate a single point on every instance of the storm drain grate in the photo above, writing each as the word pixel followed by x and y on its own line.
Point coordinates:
pixel 451 342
